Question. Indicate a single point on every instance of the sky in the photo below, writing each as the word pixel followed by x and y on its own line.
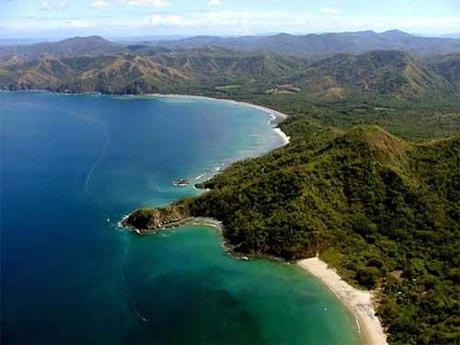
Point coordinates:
pixel 128 18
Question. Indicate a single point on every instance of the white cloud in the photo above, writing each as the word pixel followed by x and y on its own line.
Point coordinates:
pixel 215 2
pixel 44 6
pixel 78 24
pixel 100 4
pixel 216 19
pixel 223 22
pixel 249 22
pixel 147 3
pixel 167 20
pixel 330 10
pixel 56 5
pixel 62 4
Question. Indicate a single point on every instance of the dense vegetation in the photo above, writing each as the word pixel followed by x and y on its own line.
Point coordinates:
pixel 385 212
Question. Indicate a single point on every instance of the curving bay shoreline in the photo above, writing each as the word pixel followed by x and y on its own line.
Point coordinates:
pixel 276 114
pixel 357 301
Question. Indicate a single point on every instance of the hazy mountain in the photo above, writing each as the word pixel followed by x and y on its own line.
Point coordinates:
pixel 320 45
pixel 313 46
pixel 77 46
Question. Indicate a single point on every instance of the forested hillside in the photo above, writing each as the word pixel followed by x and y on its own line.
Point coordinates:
pixel 375 75
pixel 384 211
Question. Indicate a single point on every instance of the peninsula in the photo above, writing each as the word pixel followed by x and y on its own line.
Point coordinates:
pixel 359 197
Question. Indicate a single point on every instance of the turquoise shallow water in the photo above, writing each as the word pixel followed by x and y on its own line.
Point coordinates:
pixel 72 166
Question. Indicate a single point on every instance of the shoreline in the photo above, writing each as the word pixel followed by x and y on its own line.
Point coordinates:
pixel 275 114
pixel 358 302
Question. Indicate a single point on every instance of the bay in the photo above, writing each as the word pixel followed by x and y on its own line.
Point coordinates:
pixel 73 165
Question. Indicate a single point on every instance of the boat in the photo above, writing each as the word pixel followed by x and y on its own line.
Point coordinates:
pixel 181 182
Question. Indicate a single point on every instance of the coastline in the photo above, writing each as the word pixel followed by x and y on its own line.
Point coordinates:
pixel 356 301
pixel 359 302
pixel 275 114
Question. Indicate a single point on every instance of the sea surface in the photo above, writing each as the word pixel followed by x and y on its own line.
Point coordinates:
pixel 73 165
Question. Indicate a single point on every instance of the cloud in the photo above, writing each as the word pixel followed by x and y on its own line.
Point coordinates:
pixel 222 22
pixel 78 24
pixel 100 4
pixel 55 5
pixel 147 3
pixel 44 6
pixel 217 19
pixel 330 10
pixel 238 22
pixel 167 20
pixel 45 24
pixel 215 2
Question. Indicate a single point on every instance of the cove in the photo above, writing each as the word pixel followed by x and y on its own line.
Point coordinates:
pixel 73 165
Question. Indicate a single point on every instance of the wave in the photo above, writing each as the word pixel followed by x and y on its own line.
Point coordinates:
pixel 201 176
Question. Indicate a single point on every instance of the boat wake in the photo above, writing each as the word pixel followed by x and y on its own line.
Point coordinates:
pixel 99 159
pixel 129 299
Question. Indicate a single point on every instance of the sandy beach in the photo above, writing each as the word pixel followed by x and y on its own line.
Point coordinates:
pixel 359 302
pixel 279 116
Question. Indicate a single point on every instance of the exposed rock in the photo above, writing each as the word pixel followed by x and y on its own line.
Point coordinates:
pixel 146 221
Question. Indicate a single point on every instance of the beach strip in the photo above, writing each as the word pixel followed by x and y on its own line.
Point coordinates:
pixel 359 302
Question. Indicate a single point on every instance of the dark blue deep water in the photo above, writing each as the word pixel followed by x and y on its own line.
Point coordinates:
pixel 72 166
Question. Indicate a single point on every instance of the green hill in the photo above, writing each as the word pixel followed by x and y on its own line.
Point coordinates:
pixel 373 74
pixel 448 66
pixel 163 71
pixel 383 211
pixel 215 71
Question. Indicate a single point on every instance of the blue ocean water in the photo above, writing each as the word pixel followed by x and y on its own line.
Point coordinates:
pixel 72 165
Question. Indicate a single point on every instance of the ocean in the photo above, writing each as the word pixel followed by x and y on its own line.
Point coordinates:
pixel 71 166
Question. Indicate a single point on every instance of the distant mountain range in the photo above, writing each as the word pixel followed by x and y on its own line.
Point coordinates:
pixel 72 47
pixel 327 67
pixel 320 45
pixel 312 46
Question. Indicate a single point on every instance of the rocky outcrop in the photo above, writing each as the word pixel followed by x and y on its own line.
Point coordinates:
pixel 151 220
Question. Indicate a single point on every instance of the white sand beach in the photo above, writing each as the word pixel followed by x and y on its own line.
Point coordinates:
pixel 359 302
pixel 283 136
